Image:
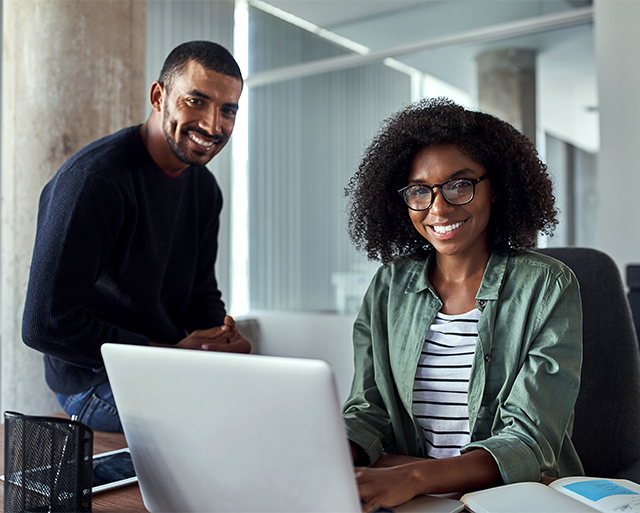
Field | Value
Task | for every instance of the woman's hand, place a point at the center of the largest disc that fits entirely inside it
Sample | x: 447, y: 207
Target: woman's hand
x: 392, y: 486
x: 387, y: 487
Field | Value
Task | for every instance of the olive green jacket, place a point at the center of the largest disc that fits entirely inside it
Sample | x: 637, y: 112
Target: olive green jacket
x: 524, y: 378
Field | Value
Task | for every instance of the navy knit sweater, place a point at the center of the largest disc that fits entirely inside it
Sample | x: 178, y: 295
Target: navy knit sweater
x: 123, y: 254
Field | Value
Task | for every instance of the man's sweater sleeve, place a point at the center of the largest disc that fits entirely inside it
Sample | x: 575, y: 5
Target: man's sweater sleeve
x: 79, y: 218
x: 206, y: 308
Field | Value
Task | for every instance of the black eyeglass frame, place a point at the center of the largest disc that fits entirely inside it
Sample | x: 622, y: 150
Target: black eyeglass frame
x: 473, y: 181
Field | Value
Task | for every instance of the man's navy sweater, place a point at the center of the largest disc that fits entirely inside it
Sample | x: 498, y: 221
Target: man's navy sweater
x: 123, y: 254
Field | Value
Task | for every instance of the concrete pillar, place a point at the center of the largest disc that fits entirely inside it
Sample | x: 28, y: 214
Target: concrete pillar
x: 73, y: 71
x: 507, y: 87
x: 617, y: 40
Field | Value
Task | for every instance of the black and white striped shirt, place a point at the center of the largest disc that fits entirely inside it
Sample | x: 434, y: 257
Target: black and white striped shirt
x: 442, y: 379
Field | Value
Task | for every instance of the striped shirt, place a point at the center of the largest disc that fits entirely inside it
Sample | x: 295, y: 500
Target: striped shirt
x: 442, y: 379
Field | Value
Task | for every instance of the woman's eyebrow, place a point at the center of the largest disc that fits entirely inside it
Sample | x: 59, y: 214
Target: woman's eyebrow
x: 462, y: 173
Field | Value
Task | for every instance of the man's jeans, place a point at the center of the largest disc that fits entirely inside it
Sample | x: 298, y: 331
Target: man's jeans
x: 95, y: 408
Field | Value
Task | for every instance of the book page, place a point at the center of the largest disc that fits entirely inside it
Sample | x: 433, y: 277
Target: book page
x: 522, y: 498
x: 606, y: 495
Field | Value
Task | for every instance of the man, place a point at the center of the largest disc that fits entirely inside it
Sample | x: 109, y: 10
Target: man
x: 127, y: 237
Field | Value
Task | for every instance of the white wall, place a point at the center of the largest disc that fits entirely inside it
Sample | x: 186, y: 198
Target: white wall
x: 617, y: 42
x: 306, y: 138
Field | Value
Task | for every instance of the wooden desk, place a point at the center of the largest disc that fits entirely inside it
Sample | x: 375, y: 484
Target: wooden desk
x: 126, y: 500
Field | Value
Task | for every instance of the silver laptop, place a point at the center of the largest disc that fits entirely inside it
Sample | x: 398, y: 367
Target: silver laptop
x: 232, y: 433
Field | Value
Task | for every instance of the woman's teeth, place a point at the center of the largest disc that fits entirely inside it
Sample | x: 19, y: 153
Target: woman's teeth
x: 448, y: 228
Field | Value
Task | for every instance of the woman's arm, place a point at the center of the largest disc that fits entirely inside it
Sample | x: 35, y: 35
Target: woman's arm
x: 388, y: 487
x: 528, y: 402
x: 366, y: 418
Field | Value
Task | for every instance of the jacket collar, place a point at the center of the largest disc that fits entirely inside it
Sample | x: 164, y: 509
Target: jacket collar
x: 491, y: 281
x: 493, y: 277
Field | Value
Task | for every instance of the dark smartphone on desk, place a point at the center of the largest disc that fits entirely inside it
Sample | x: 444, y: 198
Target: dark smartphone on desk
x: 112, y: 469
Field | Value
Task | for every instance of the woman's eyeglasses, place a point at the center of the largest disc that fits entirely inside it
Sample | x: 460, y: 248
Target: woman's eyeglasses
x: 457, y: 191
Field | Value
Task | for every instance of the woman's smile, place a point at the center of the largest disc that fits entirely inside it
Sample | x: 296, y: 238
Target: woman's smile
x: 442, y: 228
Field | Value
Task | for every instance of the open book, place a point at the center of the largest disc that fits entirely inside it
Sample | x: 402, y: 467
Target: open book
x: 566, y: 495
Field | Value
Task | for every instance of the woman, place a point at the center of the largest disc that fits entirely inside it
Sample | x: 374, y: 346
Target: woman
x: 467, y: 347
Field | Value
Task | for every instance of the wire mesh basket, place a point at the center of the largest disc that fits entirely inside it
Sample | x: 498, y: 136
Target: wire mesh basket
x: 48, y: 464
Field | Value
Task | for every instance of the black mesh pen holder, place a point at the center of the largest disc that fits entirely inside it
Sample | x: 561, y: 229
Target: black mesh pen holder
x: 48, y: 464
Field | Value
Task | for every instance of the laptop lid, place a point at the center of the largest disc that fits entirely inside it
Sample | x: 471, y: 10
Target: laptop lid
x: 226, y: 432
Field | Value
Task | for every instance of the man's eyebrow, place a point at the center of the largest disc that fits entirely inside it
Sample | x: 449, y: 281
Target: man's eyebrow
x: 199, y: 94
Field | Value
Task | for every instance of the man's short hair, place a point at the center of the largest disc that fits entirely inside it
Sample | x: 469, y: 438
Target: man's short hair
x: 208, y: 54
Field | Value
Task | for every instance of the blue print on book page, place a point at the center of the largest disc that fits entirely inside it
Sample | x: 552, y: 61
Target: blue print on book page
x: 598, y: 489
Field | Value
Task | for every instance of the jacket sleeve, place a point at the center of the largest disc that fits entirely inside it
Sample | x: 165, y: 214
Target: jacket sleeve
x: 366, y: 419
x: 531, y: 425
x: 78, y: 226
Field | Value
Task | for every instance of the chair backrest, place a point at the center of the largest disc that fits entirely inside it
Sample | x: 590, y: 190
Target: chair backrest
x: 606, y: 432
x: 633, y: 282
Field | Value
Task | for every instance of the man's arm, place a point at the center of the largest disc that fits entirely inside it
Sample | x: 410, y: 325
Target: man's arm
x: 78, y: 226
x: 225, y: 338
x: 205, y: 308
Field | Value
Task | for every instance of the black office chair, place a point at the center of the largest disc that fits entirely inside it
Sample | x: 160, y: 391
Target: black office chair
x: 633, y: 282
x: 606, y: 432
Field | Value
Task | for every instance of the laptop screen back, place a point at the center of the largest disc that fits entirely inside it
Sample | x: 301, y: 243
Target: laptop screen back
x: 224, y: 432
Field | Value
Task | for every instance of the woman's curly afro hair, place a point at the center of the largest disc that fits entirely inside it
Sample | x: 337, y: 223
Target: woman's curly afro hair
x: 524, y: 201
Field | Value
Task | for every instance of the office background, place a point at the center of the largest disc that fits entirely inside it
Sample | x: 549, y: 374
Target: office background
x: 283, y: 240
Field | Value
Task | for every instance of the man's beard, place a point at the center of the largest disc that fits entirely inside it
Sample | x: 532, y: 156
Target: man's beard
x: 178, y: 149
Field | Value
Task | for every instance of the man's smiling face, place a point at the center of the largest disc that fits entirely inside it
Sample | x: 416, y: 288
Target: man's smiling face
x: 198, y: 113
